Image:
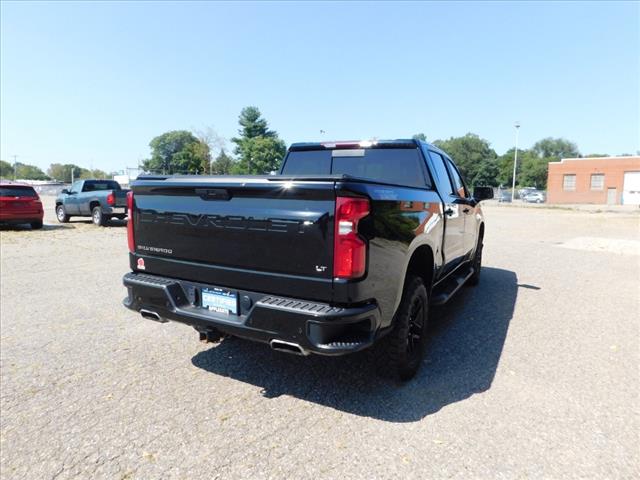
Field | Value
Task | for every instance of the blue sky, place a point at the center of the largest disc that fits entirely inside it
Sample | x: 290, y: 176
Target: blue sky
x: 92, y: 83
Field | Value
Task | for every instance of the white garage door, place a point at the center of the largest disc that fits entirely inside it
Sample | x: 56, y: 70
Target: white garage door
x: 631, y: 189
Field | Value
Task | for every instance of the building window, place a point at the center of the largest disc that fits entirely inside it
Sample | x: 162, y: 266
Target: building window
x: 597, y: 181
x: 569, y: 182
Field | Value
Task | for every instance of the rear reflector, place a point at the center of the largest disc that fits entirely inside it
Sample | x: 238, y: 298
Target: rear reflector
x: 350, y: 250
x: 130, y: 237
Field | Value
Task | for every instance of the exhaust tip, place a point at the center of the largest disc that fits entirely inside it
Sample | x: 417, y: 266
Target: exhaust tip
x: 149, y: 315
x: 288, y: 347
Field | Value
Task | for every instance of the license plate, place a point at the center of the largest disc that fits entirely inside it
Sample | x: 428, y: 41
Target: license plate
x: 220, y: 300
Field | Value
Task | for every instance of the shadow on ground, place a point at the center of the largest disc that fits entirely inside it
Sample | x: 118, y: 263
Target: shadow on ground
x: 467, y: 337
x: 114, y: 222
x: 26, y: 227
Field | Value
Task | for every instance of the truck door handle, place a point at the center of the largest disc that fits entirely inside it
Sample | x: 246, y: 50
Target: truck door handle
x: 466, y: 210
x: 448, y: 212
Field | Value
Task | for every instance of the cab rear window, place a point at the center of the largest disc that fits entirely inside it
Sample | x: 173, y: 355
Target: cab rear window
x: 95, y: 185
x: 398, y: 166
x: 17, y: 192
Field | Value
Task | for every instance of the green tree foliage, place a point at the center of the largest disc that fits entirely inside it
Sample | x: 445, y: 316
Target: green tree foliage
x: 23, y: 171
x: 260, y: 155
x: 177, y: 151
x: 420, y: 136
x: 505, y: 165
x: 533, y: 172
x: 29, y: 172
x: 62, y: 173
x: 223, y: 164
x: 555, y: 148
x: 6, y: 170
x: 474, y: 157
x: 95, y: 173
x: 253, y: 125
x: 259, y: 149
x: 533, y: 164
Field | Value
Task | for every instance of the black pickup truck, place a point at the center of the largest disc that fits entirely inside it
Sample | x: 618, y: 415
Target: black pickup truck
x: 347, y: 247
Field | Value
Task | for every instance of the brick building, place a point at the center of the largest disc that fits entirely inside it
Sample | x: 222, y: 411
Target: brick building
x: 600, y: 180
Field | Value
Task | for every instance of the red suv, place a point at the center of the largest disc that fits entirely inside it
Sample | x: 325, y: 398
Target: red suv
x: 20, y: 204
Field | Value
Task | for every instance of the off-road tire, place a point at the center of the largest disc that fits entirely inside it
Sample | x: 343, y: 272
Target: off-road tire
x: 399, y: 354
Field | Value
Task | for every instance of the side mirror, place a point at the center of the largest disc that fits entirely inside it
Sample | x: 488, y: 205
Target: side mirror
x: 65, y: 191
x: 482, y: 193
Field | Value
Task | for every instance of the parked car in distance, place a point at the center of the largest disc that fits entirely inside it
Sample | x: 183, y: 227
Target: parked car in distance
x: 524, y: 191
x: 534, y: 197
x: 20, y: 204
x: 99, y: 199
x: 346, y: 248
x: 504, y: 196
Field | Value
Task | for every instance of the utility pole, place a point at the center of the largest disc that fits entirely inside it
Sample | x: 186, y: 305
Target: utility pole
x: 72, y: 173
x: 15, y: 162
x: 515, y: 163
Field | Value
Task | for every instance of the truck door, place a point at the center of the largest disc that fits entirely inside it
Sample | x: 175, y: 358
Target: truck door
x: 467, y: 209
x: 84, y: 197
x: 453, y: 242
x: 71, y: 200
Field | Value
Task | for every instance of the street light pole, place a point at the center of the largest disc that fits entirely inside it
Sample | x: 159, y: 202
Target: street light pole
x: 515, y: 163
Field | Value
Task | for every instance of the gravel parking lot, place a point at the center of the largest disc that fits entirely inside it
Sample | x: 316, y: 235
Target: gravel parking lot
x: 534, y: 373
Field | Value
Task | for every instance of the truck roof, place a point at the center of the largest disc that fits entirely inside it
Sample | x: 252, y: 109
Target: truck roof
x: 330, y: 145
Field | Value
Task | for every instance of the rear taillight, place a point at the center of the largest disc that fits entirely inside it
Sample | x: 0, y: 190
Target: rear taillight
x: 350, y: 250
x: 111, y: 199
x: 130, y: 237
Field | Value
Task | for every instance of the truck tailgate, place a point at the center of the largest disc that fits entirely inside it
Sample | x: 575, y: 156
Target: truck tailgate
x: 248, y: 223
x: 120, y: 198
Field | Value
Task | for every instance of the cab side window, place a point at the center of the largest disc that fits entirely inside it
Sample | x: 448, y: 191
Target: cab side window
x: 441, y: 174
x: 75, y: 188
x: 458, y: 184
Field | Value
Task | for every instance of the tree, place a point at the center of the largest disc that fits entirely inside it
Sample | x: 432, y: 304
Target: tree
x: 177, y: 151
x: 474, y: 157
x: 95, y: 173
x: 260, y: 156
x: 253, y: 125
x: 6, y: 169
x: 62, y: 172
x: 505, y: 165
x: 534, y: 172
x: 216, y: 143
x: 555, y: 149
x: 222, y: 165
x: 420, y: 136
x: 533, y: 164
x: 259, y: 149
x: 29, y: 172
x: 486, y: 174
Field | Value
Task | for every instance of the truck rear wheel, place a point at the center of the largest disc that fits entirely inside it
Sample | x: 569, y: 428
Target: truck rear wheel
x: 97, y: 217
x: 400, y: 352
